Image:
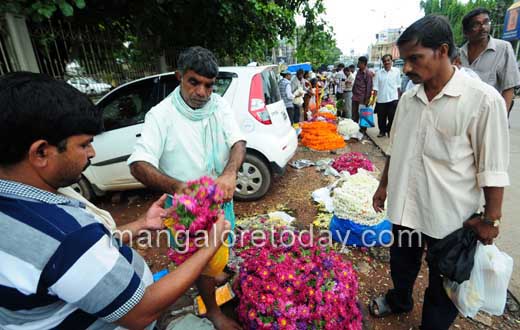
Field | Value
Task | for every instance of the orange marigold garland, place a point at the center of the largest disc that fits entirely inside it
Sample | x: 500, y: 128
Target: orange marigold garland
x: 326, y: 115
x: 321, y: 136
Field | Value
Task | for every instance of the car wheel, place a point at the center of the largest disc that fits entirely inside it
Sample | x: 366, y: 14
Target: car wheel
x: 84, y: 188
x: 253, y: 180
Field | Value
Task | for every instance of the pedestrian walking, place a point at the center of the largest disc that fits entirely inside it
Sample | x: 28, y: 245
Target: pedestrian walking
x: 387, y: 89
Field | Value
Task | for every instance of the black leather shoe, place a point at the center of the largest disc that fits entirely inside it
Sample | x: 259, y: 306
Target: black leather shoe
x: 381, y: 135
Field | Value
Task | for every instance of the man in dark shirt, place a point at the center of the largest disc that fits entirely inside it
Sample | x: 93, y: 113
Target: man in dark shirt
x: 362, y: 87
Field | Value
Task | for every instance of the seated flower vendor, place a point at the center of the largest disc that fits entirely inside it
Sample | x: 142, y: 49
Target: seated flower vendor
x: 60, y: 266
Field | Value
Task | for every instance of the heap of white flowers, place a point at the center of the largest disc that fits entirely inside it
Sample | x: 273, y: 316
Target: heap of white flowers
x: 348, y: 127
x: 352, y: 198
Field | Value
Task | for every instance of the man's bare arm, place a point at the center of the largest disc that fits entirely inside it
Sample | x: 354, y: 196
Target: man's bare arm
x: 152, y: 178
x: 378, y: 200
x: 508, y: 95
x: 159, y: 296
x: 236, y: 158
x: 227, y: 180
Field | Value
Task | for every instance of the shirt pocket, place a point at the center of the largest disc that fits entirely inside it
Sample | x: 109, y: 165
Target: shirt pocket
x: 446, y: 148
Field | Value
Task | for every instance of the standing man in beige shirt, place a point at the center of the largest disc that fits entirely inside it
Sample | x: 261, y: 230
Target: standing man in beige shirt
x: 449, y: 149
x: 492, y: 59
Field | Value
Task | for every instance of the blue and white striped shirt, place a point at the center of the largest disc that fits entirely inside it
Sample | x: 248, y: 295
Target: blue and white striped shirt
x: 59, y: 266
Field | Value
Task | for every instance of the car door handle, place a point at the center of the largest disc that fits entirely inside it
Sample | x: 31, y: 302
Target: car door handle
x: 138, y: 135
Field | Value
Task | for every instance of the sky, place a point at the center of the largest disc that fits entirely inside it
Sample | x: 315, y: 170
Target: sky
x: 356, y: 22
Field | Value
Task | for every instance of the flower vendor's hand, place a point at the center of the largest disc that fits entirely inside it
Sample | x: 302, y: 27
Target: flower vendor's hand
x: 183, y: 189
x: 227, y: 183
x: 486, y: 233
x: 219, y: 231
x: 378, y: 201
x: 154, y: 218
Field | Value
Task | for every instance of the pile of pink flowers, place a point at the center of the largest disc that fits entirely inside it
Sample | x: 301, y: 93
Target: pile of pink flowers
x: 194, y: 213
x: 302, y: 285
x: 351, y: 162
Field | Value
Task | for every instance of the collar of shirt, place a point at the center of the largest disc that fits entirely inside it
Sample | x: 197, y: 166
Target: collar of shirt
x: 491, y: 45
x: 19, y: 190
x: 452, y: 88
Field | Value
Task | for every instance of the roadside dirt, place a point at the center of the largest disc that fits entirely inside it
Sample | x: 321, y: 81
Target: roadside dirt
x: 292, y: 192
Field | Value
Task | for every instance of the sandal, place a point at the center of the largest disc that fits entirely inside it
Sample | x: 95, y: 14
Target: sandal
x: 379, y: 307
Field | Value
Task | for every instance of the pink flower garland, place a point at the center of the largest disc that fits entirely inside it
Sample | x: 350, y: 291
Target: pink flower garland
x: 351, y: 162
x: 194, y: 212
x: 295, y: 287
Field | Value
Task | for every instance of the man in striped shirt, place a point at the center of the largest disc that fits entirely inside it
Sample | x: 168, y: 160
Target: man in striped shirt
x: 60, y: 267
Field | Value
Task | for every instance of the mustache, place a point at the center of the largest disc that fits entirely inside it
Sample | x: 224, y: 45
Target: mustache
x: 87, y: 165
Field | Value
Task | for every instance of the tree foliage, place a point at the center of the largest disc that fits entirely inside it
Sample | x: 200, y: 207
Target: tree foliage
x: 454, y: 10
x: 237, y: 31
x: 41, y: 9
x: 317, y: 45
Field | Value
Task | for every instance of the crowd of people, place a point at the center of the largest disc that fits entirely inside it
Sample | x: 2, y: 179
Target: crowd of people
x: 481, y: 56
x: 449, y: 150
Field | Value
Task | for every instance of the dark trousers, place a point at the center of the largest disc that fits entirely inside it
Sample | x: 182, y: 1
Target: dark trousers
x: 296, y: 115
x: 385, y: 116
x: 290, y: 113
x: 355, y: 111
x: 438, y: 312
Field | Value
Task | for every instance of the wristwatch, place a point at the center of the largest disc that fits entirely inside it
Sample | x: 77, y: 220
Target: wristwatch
x: 489, y: 221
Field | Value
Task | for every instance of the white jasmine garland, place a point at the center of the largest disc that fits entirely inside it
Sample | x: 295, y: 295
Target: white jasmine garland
x: 352, y: 199
x: 348, y: 127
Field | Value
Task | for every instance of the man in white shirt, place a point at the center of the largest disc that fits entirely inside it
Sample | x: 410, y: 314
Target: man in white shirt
x: 190, y: 134
x: 349, y: 83
x: 387, y: 88
x: 449, y: 148
x: 339, y: 80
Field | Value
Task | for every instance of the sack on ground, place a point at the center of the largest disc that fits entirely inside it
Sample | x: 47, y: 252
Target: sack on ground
x: 351, y: 233
x: 366, y: 117
x: 486, y: 288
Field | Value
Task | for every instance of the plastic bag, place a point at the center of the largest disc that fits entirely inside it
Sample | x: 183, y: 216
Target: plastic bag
x: 487, y: 287
x: 217, y: 263
x: 366, y: 117
x: 454, y: 254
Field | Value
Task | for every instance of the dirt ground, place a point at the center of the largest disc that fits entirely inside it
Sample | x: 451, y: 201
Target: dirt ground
x: 292, y: 192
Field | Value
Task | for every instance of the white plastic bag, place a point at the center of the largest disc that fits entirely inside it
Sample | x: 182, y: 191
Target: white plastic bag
x: 486, y: 288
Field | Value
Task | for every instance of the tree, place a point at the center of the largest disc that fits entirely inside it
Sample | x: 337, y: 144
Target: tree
x: 317, y: 45
x: 455, y: 11
x: 41, y: 9
x: 236, y: 31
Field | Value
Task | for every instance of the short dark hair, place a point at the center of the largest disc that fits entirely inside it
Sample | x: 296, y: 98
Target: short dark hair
x: 35, y: 106
x: 466, y: 21
x: 200, y: 60
x: 352, y: 66
x: 430, y: 31
x: 385, y: 56
x: 341, y: 65
x: 363, y: 59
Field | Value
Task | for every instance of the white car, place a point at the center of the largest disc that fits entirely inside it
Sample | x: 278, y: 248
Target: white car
x: 89, y: 86
x: 253, y: 95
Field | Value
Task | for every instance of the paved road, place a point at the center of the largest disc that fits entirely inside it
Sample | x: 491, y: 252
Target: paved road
x: 509, y: 238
